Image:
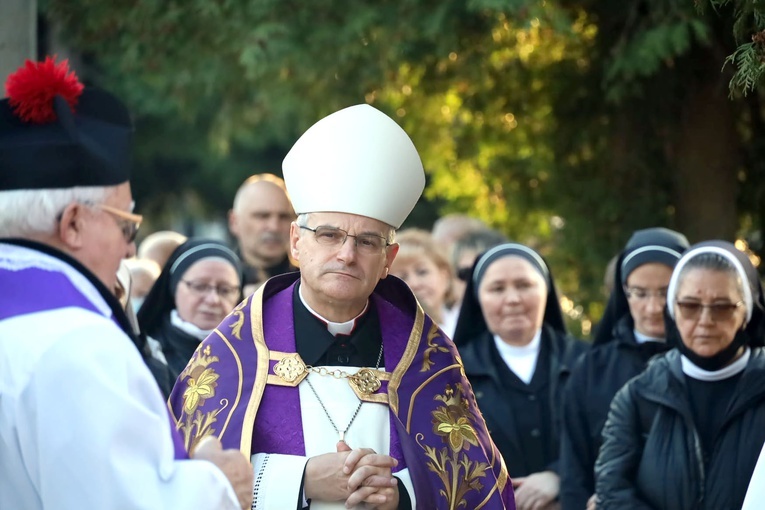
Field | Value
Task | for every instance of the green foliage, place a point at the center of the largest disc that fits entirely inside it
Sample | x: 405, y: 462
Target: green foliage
x: 503, y: 98
x: 749, y: 31
x: 650, y: 42
x: 749, y: 68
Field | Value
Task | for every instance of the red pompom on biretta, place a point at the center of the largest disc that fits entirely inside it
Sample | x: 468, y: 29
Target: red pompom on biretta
x: 32, y: 88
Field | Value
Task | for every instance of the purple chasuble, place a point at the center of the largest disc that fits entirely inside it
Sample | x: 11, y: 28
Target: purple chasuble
x: 230, y: 390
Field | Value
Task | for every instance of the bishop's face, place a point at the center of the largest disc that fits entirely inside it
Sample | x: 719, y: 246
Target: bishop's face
x: 338, y: 279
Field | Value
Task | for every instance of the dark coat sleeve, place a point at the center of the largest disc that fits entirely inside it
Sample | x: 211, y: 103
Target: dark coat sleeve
x: 619, y: 458
x: 577, y: 457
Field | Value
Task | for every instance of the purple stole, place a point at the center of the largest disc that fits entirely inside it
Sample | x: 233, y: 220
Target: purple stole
x: 229, y: 390
x: 29, y: 290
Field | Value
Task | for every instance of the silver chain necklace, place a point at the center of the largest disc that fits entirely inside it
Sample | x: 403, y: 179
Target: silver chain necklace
x: 358, y: 407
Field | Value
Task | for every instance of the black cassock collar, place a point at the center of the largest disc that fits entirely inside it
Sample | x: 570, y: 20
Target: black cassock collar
x: 318, y: 347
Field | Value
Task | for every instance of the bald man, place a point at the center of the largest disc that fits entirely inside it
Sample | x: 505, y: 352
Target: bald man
x: 159, y: 245
x: 260, y: 221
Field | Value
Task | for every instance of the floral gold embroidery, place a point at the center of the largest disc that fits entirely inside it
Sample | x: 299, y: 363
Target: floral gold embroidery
x: 433, y: 333
x: 201, y: 381
x: 453, y: 422
x: 199, y: 390
x: 457, y: 431
x: 236, y: 327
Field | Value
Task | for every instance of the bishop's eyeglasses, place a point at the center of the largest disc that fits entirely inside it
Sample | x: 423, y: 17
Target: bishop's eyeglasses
x: 331, y: 236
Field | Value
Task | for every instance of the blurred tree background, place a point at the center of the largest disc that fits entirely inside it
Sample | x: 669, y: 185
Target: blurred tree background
x: 565, y: 124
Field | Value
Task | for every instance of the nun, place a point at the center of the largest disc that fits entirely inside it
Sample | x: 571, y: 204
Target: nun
x: 198, y: 287
x: 686, y: 433
x: 630, y: 333
x: 516, y: 352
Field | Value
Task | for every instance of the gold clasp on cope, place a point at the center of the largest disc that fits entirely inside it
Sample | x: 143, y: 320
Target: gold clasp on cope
x: 290, y: 369
x: 365, y: 381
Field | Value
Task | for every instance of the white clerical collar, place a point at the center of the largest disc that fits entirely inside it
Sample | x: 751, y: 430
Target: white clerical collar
x: 734, y: 368
x: 335, y: 328
x: 521, y: 360
x: 516, y: 351
x: 641, y: 338
x: 188, y: 327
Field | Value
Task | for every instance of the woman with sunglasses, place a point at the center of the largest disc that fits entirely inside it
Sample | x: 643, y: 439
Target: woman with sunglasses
x: 198, y: 287
x: 686, y: 434
x: 516, y: 352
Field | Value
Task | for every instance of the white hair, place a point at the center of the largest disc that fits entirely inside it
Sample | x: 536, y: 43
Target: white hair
x: 34, y: 212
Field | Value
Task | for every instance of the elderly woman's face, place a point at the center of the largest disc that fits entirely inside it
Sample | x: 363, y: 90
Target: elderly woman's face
x: 207, y: 292
x: 708, y: 310
x: 512, y: 295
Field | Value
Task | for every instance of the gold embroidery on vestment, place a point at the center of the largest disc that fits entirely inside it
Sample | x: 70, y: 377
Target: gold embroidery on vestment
x: 419, y: 389
x: 201, y: 381
x: 434, y: 333
x: 236, y: 327
x: 261, y: 372
x: 412, y: 346
x: 290, y: 369
x: 454, y: 423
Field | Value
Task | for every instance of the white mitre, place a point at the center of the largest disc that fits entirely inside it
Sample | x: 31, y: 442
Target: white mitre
x: 358, y: 161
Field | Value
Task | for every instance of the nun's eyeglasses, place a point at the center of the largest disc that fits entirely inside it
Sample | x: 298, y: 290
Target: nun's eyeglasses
x: 226, y: 292
x: 691, y: 310
x: 641, y: 294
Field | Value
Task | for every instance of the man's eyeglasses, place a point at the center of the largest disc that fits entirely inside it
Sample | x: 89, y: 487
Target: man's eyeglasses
x: 641, y: 294
x: 365, y: 243
x: 691, y: 310
x: 128, y: 222
x: 225, y: 292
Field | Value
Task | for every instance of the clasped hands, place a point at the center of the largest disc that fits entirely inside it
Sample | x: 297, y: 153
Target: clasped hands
x: 354, y: 475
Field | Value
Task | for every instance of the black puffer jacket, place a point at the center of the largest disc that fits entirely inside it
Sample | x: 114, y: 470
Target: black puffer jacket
x: 594, y: 380
x: 651, y: 457
x: 528, y: 443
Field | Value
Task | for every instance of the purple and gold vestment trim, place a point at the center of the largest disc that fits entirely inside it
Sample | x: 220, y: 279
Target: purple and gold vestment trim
x: 230, y: 390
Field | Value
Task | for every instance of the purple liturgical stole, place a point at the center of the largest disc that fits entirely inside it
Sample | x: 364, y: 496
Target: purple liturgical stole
x: 34, y: 289
x: 231, y: 390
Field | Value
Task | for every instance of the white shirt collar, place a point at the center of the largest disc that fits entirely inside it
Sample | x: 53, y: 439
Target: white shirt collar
x: 522, y: 360
x: 335, y: 328
x: 734, y: 368
x: 188, y: 327
x: 641, y: 338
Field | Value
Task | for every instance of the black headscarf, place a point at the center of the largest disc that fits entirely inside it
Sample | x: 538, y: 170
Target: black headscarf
x: 161, y: 299
x: 471, y: 323
x: 752, y: 334
x: 646, y: 246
